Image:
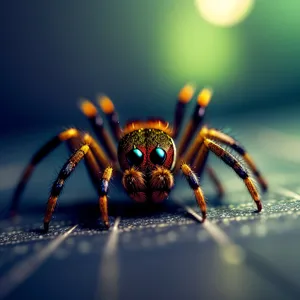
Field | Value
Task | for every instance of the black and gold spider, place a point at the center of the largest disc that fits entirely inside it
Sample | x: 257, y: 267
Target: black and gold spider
x: 146, y: 156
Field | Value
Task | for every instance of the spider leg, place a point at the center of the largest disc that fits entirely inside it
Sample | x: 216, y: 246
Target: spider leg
x: 58, y: 185
x: 90, y: 111
x: 106, y: 177
x: 184, y: 96
x: 90, y: 161
x: 47, y: 149
x: 109, y: 109
x: 197, y: 160
x: 203, y: 100
x: 96, y: 150
x: 232, y: 162
x: 233, y: 144
x: 134, y: 184
x: 66, y: 171
x: 193, y: 181
x: 161, y: 183
x: 200, y: 160
x: 214, y: 178
x: 229, y: 141
x: 199, y: 163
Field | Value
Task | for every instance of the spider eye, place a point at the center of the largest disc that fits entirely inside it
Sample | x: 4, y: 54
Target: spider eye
x: 135, y: 157
x: 158, y: 156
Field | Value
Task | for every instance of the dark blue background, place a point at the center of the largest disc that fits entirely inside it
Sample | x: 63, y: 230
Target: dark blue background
x: 54, y: 52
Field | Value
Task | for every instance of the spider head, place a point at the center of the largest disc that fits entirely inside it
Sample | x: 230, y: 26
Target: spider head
x: 146, y: 149
x: 147, y: 157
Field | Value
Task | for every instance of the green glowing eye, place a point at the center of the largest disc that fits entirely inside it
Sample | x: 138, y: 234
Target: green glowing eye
x: 135, y: 157
x: 158, y: 156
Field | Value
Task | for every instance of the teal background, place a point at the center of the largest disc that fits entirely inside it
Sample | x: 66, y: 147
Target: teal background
x: 140, y: 53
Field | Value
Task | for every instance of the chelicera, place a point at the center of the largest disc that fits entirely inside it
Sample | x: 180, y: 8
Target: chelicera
x: 146, y: 156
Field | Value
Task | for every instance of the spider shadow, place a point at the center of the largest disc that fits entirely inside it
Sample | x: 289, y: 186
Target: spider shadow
x: 216, y: 200
x: 89, y: 215
x: 130, y: 210
x: 85, y: 212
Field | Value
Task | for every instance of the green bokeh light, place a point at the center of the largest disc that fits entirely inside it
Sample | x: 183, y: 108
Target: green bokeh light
x: 224, y: 12
x: 190, y: 49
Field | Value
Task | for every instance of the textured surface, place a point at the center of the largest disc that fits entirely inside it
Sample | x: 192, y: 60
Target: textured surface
x: 155, y: 253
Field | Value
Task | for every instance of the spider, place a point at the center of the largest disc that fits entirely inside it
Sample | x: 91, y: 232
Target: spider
x: 146, y: 155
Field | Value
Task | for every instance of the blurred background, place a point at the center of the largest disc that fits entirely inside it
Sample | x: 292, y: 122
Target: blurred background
x: 143, y: 52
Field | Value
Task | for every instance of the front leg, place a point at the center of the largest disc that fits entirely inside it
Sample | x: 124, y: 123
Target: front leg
x: 59, y: 183
x: 103, y: 190
x: 84, y: 151
x: 193, y: 181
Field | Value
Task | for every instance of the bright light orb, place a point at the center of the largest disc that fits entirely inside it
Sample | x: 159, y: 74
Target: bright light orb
x: 224, y: 13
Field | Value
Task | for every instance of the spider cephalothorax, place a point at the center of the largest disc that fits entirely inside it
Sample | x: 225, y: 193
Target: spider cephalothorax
x: 146, y: 155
